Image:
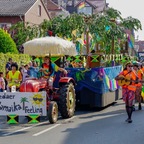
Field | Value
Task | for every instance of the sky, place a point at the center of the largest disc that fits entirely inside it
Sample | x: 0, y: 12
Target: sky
x: 133, y: 8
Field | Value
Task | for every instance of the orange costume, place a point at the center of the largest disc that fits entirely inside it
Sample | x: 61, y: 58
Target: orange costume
x: 128, y: 91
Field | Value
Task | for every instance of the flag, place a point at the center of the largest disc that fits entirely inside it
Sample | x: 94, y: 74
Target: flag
x: 81, y: 5
x: 131, y: 41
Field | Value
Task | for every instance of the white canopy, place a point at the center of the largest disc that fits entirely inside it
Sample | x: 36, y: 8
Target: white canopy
x: 49, y: 45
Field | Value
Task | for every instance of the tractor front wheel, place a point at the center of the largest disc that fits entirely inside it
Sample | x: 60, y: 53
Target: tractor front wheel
x: 67, y: 100
x: 53, y: 112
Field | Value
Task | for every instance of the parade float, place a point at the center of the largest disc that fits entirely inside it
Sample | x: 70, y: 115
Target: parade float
x: 102, y: 42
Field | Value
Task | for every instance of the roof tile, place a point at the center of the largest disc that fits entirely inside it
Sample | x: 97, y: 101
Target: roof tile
x: 15, y: 7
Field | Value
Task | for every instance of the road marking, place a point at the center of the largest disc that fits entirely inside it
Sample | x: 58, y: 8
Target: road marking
x: 70, y: 118
x: 23, y: 129
x: 10, y: 133
x: 48, y: 129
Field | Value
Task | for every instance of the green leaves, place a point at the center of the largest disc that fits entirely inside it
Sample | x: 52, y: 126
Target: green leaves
x: 6, y: 43
x: 131, y: 23
x: 24, y: 32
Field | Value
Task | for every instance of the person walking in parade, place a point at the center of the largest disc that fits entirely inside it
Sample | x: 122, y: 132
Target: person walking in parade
x: 128, y: 91
x: 137, y: 72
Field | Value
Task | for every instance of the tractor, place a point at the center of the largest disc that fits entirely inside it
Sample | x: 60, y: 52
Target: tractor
x: 59, y: 99
x: 62, y: 98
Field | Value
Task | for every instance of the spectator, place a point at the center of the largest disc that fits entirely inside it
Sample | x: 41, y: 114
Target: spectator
x: 25, y: 72
x: 14, y: 77
x: 8, y: 65
x: 33, y: 70
x: 2, y: 82
x: 30, y: 64
x: 21, y: 69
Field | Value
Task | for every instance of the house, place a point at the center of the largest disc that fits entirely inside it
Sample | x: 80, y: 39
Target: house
x: 139, y: 46
x: 54, y: 9
x: 86, y: 6
x: 13, y: 11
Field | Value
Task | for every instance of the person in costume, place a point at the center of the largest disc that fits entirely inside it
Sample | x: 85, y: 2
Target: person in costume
x: 128, y: 91
x: 48, y: 70
x: 138, y: 74
x: 141, y: 71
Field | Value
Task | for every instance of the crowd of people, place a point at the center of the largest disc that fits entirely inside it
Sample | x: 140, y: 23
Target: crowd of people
x: 15, y: 75
x: 133, y: 73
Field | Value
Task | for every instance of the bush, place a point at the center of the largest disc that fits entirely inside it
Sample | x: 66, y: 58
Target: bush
x: 6, y: 43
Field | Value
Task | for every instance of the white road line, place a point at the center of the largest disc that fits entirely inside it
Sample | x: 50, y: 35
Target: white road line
x: 16, y: 131
x: 48, y: 129
x: 23, y: 129
x: 70, y: 118
x: 10, y: 133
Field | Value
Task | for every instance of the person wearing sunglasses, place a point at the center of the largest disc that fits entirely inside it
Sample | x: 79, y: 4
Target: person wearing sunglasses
x: 128, y: 91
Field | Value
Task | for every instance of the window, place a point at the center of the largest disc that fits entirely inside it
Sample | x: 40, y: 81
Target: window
x: 39, y: 10
x: 5, y: 25
x: 86, y: 10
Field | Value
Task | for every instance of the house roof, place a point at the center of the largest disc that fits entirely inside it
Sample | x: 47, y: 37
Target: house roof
x: 140, y: 44
x: 15, y: 7
x: 51, y: 6
x: 86, y: 1
x: 98, y: 4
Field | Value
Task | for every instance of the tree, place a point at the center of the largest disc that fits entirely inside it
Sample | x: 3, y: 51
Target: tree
x: 23, y: 100
x: 22, y: 32
x: 6, y: 43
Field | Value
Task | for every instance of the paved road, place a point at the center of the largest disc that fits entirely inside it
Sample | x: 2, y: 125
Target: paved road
x: 107, y: 126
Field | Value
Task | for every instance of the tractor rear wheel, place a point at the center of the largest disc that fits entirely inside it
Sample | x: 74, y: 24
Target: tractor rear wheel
x: 67, y: 100
x: 53, y: 112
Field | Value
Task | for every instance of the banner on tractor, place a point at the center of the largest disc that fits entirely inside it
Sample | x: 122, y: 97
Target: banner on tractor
x: 23, y: 103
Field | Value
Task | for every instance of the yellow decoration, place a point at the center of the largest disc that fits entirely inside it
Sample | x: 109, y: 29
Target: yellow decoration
x: 74, y: 32
x: 107, y: 81
x: 90, y: 36
x: 80, y: 41
x: 82, y: 36
x: 142, y: 94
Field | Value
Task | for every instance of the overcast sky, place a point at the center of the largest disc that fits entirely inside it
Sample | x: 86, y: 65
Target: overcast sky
x: 134, y: 8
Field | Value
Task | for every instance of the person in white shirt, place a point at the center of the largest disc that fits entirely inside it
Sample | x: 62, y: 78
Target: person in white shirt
x: 25, y: 72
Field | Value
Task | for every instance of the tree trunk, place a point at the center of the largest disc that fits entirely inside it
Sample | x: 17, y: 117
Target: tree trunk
x: 113, y: 46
